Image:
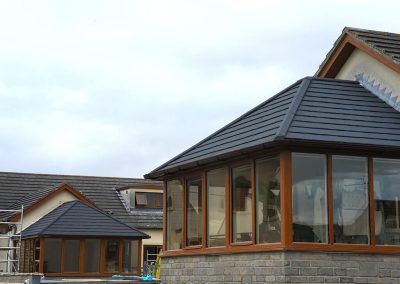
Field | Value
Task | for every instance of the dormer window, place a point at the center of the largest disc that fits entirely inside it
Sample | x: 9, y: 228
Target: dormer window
x: 140, y: 198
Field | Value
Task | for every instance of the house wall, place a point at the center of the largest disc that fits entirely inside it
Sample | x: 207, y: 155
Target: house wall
x: 45, y: 208
x: 155, y: 240
x: 361, y: 63
x: 282, y: 267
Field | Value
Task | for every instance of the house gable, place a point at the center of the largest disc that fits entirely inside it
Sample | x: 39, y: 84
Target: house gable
x: 43, y: 201
x: 369, y: 57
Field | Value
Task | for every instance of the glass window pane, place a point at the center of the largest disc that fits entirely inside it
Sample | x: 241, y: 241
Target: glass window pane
x: 174, y: 214
x: 71, y: 255
x: 216, y: 208
x: 111, y: 264
x: 52, y: 256
x: 241, y: 204
x: 92, y: 255
x: 387, y: 205
x: 350, y: 199
x: 159, y: 200
x: 151, y: 200
x: 268, y: 201
x: 130, y: 256
x: 193, y: 212
x: 141, y: 199
x: 309, y: 198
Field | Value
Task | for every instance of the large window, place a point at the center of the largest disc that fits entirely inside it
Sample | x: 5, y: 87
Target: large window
x: 92, y: 255
x: 309, y: 197
x: 241, y: 204
x: 130, y: 259
x: 148, y: 200
x: 350, y: 199
x: 193, y: 212
x: 387, y: 201
x: 327, y: 205
x: 52, y: 256
x: 174, y: 214
x: 112, y: 251
x: 216, y: 208
x: 71, y: 255
x: 267, y: 200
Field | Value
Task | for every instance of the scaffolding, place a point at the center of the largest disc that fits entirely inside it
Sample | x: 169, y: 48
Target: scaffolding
x: 10, y: 252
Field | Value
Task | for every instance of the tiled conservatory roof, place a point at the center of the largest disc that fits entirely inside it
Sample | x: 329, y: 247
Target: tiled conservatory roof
x: 312, y: 109
x: 76, y: 218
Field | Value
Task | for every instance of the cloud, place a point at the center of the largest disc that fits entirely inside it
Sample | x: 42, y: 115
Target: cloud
x: 116, y: 88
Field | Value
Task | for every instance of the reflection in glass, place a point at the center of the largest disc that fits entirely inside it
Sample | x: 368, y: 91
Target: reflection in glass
x: 111, y: 256
x: 71, y: 255
x: 310, y: 215
x: 174, y: 214
x: 387, y: 204
x: 92, y: 255
x: 216, y: 208
x: 350, y: 199
x: 267, y: 205
x: 52, y: 256
x: 193, y: 212
x: 130, y: 256
x: 241, y: 204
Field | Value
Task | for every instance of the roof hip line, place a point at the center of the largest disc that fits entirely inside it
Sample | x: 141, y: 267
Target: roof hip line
x: 287, y: 120
x: 55, y: 219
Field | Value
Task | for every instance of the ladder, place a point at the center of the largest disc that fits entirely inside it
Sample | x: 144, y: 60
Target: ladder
x: 10, y: 250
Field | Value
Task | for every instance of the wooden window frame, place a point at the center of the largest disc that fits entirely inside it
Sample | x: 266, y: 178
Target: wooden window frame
x: 285, y: 207
x: 82, y: 252
x: 158, y: 205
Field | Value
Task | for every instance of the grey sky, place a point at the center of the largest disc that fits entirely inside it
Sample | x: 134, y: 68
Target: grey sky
x: 116, y: 88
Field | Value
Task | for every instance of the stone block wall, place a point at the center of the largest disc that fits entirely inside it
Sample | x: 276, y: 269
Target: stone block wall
x: 282, y: 267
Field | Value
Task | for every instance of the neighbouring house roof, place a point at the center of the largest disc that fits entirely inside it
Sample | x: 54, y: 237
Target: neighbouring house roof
x: 311, y: 110
x: 34, y: 198
x: 76, y: 218
x: 383, y: 46
x: 102, y: 191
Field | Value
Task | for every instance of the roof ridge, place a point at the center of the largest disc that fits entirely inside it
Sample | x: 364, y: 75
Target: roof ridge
x: 72, y: 176
x: 298, y: 98
x: 224, y: 127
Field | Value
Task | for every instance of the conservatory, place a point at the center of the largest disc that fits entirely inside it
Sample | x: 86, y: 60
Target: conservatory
x: 295, y: 187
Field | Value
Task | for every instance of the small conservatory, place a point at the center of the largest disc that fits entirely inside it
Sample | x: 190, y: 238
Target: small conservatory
x: 303, y: 188
x: 76, y: 239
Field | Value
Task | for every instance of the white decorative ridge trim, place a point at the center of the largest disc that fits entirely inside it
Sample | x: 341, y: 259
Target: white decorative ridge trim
x: 378, y: 90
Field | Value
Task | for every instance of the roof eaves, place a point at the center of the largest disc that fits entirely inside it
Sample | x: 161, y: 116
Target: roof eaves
x: 287, y: 121
x: 336, y: 44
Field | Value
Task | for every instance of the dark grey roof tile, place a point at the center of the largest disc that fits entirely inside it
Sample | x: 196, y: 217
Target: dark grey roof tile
x: 312, y: 109
x: 76, y: 218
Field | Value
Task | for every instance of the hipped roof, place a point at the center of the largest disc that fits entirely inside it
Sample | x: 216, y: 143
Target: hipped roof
x: 76, y: 218
x: 311, y: 110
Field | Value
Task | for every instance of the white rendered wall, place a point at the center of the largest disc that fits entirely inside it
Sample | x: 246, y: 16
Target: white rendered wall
x: 361, y: 63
